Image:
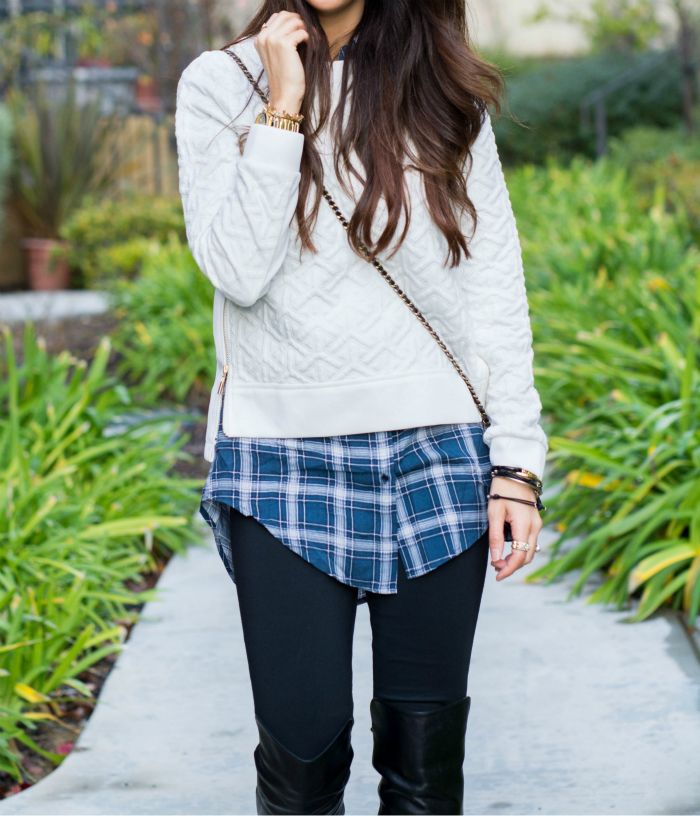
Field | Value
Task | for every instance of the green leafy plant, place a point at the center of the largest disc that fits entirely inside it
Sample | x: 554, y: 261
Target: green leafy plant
x: 111, y: 238
x: 585, y: 226
x: 632, y: 445
x: 667, y: 158
x: 34, y: 36
x: 166, y: 342
x: 87, y: 504
x: 60, y: 156
x: 614, y: 289
x: 5, y: 158
x: 623, y: 25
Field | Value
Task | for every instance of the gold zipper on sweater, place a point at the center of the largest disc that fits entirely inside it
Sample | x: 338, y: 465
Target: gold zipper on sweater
x: 225, y: 373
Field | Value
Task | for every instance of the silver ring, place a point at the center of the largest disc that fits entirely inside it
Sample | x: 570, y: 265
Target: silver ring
x: 264, y: 25
x: 523, y: 546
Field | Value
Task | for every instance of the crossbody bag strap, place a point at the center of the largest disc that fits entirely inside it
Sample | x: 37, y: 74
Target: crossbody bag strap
x: 379, y: 267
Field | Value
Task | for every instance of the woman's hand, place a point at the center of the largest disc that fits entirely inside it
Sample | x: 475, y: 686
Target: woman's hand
x: 525, y: 524
x: 277, y: 46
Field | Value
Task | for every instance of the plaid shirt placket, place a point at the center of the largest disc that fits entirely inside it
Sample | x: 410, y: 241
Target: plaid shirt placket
x: 349, y: 504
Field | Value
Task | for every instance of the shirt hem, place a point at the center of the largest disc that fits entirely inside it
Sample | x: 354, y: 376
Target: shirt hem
x: 471, y: 537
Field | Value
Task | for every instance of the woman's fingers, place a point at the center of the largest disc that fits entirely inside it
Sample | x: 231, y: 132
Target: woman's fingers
x: 299, y: 36
x: 535, y: 527
x: 277, y: 45
x: 281, y: 23
x: 512, y: 562
x: 525, y: 525
x: 520, y: 528
x: 520, y: 523
x: 279, y: 28
x: 524, y: 520
x: 497, y: 519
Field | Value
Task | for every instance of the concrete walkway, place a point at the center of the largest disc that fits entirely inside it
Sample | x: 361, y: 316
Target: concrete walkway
x: 573, y: 711
x: 52, y: 306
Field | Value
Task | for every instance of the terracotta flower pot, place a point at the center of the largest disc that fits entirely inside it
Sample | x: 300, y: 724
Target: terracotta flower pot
x: 45, y: 271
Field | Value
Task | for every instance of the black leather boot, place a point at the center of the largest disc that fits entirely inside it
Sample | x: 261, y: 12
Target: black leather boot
x: 420, y: 756
x: 288, y: 784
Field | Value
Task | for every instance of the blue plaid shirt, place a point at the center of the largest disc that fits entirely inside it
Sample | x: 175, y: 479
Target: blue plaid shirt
x: 350, y: 505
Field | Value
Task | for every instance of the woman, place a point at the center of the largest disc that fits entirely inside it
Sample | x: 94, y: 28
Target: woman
x: 352, y: 456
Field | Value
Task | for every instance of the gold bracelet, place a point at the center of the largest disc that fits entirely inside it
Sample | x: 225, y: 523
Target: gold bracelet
x: 279, y: 119
x: 527, y: 474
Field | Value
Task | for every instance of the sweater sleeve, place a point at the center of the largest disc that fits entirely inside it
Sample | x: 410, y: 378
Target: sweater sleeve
x: 498, y: 314
x: 237, y: 208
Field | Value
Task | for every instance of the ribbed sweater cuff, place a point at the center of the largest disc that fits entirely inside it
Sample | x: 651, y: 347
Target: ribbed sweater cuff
x: 276, y: 148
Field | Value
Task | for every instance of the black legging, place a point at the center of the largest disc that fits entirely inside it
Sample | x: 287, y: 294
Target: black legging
x: 298, y: 627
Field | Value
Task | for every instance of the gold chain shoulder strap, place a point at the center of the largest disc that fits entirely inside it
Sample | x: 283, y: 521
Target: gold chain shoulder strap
x: 378, y: 266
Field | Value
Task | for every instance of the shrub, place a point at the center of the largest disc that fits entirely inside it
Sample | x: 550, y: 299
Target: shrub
x: 166, y: 340
x: 666, y: 158
x: 60, y: 156
x: 630, y: 412
x: 640, y: 147
x: 615, y: 301
x: 111, y: 238
x: 86, y: 504
x: 586, y: 220
x: 545, y: 96
x: 5, y: 158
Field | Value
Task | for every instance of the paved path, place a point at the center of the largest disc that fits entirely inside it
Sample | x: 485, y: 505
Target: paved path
x: 52, y: 305
x: 573, y: 712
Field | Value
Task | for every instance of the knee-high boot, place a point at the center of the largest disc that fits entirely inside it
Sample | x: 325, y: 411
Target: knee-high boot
x: 290, y: 785
x: 420, y: 756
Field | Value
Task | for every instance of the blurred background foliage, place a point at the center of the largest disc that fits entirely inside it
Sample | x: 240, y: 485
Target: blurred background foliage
x: 160, y: 38
x: 59, y: 156
x: 542, y: 117
x: 5, y: 159
x: 110, y: 238
x: 611, y: 25
x: 167, y: 345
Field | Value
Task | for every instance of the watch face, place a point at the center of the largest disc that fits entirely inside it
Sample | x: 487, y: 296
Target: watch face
x: 261, y: 118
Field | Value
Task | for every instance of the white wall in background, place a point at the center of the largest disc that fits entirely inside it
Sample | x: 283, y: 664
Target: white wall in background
x: 505, y: 25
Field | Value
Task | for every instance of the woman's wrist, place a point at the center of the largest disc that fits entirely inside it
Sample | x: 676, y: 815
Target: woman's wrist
x: 509, y: 487
x: 290, y: 104
x: 282, y: 119
x: 503, y: 489
x: 518, y: 475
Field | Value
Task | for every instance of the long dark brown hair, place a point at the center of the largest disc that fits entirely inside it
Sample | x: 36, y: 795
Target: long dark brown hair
x: 419, y: 96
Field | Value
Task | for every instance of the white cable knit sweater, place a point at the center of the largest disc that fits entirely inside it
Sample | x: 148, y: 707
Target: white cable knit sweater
x: 319, y: 344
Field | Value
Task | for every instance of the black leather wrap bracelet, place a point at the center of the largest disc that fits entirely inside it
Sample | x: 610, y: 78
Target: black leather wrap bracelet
x: 517, y: 475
